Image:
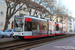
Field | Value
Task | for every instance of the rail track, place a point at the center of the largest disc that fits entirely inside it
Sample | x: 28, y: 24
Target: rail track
x: 30, y: 43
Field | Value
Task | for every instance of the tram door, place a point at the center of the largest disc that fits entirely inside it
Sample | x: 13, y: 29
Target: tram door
x: 40, y: 28
x: 35, y: 27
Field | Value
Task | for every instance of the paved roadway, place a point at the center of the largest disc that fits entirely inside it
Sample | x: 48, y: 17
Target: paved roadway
x: 5, y: 39
x: 63, y: 44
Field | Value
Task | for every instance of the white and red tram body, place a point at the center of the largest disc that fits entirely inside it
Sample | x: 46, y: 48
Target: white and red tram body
x: 58, y: 28
x: 31, y: 27
x: 51, y: 27
x: 64, y: 29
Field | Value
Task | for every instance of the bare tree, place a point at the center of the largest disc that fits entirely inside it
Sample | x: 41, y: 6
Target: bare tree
x: 33, y: 5
x: 12, y: 9
x: 55, y: 7
x: 38, y: 7
x: 44, y: 11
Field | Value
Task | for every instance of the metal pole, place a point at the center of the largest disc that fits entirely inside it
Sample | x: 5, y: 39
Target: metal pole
x: 62, y: 25
x: 47, y: 27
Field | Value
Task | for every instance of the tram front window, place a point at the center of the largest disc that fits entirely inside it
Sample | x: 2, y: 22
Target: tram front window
x: 18, y: 25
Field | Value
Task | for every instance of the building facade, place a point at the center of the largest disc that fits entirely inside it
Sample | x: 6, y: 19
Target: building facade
x: 70, y: 25
x: 74, y: 24
x: 2, y: 14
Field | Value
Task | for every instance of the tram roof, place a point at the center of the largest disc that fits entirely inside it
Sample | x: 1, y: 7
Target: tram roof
x: 35, y: 17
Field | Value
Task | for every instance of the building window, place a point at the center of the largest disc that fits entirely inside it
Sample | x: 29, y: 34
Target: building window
x: 1, y: 24
x: 70, y: 23
x: 2, y: 2
x: 17, y: 7
x: 70, y: 27
x: 2, y: 13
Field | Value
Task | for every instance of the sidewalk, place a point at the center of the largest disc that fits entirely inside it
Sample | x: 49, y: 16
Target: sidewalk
x: 63, y: 44
x: 70, y: 32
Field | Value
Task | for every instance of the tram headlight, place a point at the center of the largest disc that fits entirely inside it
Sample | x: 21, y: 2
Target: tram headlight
x: 21, y: 33
x: 13, y: 33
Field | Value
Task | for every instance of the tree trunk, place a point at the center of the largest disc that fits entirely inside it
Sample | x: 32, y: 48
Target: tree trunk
x: 30, y: 12
x: 34, y: 13
x: 6, y: 23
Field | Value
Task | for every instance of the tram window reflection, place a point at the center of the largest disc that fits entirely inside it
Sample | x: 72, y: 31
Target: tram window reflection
x: 28, y: 26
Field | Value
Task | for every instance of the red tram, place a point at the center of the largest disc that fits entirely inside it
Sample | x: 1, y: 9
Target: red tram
x: 28, y: 27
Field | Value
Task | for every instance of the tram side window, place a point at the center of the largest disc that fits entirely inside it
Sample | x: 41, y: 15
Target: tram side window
x: 34, y: 26
x: 28, y: 26
x: 44, y: 26
x: 57, y: 28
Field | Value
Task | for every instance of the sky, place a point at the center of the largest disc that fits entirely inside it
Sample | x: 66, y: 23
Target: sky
x: 71, y: 5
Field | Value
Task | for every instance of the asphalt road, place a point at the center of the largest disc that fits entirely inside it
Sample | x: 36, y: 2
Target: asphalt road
x: 63, y: 44
x: 5, y: 39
